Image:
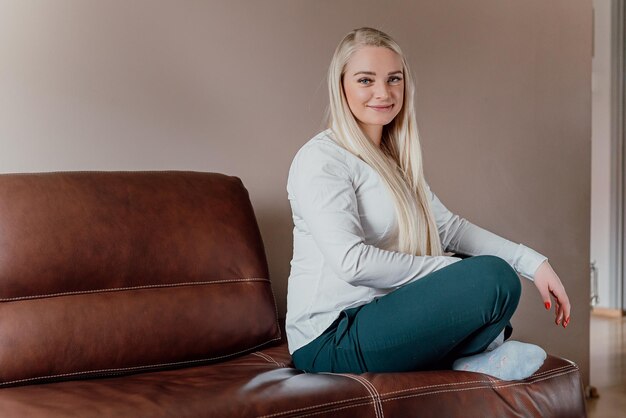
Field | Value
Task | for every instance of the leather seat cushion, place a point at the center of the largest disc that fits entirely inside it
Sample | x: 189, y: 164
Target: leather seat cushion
x: 265, y: 384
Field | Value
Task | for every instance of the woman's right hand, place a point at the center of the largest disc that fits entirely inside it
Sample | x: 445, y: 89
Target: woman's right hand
x: 549, y: 284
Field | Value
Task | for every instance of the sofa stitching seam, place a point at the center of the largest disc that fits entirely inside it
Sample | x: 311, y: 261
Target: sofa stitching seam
x: 280, y: 363
x: 268, y: 358
x: 258, y: 354
x: 370, y: 389
x: 478, y: 388
x: 378, y: 404
x: 123, y: 369
x: 149, y: 286
x: 474, y: 381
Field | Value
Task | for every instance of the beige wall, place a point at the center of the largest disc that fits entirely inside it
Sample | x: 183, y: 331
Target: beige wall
x: 238, y: 86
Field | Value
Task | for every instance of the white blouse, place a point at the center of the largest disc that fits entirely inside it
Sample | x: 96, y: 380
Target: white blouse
x: 345, y: 239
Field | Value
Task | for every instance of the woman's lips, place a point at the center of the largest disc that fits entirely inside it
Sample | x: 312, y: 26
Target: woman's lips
x: 381, y: 108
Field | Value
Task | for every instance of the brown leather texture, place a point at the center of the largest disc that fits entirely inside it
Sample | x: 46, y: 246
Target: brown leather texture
x: 84, y: 231
x: 116, y: 272
x: 264, y: 384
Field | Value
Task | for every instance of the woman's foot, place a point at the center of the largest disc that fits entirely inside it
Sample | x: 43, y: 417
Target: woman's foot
x: 513, y: 360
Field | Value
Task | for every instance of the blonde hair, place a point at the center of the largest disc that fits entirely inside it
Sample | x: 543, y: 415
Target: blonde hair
x: 398, y: 161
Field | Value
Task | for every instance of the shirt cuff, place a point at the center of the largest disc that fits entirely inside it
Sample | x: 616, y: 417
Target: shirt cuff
x: 529, y: 261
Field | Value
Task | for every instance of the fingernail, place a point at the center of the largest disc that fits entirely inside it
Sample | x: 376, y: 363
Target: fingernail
x: 547, y: 305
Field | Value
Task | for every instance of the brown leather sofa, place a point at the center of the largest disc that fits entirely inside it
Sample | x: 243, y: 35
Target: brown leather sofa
x: 147, y: 294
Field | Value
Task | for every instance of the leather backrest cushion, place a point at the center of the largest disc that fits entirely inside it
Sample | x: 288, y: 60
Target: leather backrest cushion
x: 113, y: 272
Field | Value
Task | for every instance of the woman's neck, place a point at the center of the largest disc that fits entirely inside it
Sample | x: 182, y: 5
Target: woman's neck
x: 373, y: 132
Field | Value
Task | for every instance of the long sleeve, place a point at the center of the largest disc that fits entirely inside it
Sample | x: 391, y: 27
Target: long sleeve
x: 324, y: 197
x: 459, y: 235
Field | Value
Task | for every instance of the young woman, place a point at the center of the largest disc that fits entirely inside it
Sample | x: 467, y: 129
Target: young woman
x: 371, y: 288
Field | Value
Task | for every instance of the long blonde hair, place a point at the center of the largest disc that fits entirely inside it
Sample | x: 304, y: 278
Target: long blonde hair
x: 398, y: 161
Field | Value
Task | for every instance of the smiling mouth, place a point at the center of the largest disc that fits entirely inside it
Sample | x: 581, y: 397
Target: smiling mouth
x: 381, y: 108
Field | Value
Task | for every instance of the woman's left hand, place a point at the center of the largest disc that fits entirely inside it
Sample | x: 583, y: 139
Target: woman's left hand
x: 549, y: 284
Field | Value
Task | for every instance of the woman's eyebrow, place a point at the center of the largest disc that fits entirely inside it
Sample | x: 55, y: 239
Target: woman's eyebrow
x: 373, y: 73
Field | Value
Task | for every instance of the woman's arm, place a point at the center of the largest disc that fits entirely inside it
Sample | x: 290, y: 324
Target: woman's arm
x: 459, y: 235
x: 323, y: 196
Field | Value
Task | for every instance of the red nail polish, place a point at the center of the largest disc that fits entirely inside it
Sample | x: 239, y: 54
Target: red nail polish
x: 547, y: 305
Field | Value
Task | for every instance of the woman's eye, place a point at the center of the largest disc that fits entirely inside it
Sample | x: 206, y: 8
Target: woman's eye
x: 395, y: 79
x: 362, y: 80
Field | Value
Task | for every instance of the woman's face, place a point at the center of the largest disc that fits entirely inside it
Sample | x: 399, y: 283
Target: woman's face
x: 374, y: 86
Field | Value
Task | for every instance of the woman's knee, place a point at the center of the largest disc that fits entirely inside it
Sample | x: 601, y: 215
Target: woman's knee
x: 499, y: 274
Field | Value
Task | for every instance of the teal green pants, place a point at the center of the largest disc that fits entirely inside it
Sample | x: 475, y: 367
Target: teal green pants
x: 453, y: 312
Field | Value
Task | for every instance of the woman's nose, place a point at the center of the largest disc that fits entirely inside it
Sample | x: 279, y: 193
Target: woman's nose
x: 382, y: 91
